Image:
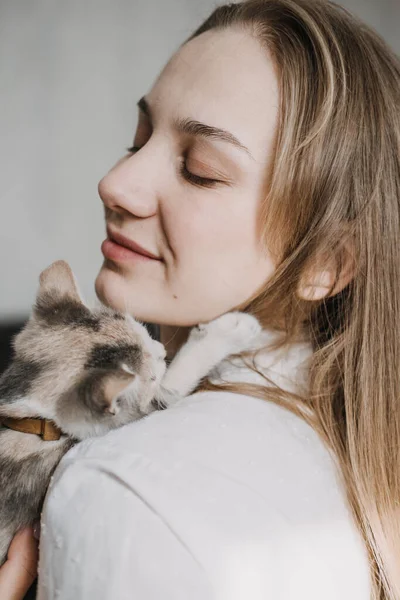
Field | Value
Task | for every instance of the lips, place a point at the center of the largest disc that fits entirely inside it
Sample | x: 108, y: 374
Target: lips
x: 129, y: 244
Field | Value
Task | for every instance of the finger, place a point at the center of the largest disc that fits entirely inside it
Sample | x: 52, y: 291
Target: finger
x: 24, y: 551
x: 20, y: 570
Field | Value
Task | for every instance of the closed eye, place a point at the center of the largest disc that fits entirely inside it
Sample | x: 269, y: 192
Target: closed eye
x: 186, y: 174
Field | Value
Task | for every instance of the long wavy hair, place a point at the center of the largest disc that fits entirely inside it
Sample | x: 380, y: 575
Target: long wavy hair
x: 336, y: 171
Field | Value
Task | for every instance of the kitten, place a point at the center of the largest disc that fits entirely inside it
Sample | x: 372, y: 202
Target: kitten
x: 87, y: 372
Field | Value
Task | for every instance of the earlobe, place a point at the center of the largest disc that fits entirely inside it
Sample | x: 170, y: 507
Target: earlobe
x: 317, y: 287
x: 319, y: 283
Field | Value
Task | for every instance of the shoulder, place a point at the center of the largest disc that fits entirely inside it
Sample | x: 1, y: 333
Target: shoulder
x: 247, y: 486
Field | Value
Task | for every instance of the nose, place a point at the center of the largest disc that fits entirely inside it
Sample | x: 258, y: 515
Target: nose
x: 129, y: 188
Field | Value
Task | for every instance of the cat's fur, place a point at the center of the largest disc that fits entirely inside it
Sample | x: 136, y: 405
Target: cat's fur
x: 89, y: 371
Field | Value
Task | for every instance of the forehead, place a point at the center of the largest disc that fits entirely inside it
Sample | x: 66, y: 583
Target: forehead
x: 222, y: 78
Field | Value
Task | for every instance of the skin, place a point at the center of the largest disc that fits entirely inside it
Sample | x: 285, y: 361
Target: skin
x: 20, y: 570
x: 207, y: 237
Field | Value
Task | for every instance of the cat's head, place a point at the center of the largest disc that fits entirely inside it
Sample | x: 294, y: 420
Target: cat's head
x: 88, y: 370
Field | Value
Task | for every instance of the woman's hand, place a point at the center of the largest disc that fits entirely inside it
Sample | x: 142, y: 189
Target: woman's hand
x: 20, y: 569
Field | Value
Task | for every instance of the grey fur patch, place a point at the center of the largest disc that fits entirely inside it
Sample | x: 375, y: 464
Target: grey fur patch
x: 110, y: 357
x: 17, y: 379
x: 23, y: 485
x: 64, y: 312
x: 158, y: 404
x: 118, y: 316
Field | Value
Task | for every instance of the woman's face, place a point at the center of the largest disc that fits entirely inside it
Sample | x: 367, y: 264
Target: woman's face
x: 190, y: 195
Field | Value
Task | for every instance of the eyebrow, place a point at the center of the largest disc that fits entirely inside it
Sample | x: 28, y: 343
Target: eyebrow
x: 191, y: 127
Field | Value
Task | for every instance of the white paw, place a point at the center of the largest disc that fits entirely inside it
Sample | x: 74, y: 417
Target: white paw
x: 198, y: 332
x: 239, y: 330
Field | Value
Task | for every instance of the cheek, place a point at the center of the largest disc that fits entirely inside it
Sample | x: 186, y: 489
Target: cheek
x: 220, y: 237
x: 221, y: 263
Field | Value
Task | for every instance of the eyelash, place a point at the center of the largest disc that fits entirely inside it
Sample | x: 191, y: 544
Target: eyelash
x: 191, y: 177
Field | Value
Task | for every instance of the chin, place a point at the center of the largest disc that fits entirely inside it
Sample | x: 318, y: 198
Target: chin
x: 146, y: 300
x: 135, y: 297
x: 113, y: 290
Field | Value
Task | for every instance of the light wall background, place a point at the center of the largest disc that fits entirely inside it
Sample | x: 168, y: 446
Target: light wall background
x: 71, y: 72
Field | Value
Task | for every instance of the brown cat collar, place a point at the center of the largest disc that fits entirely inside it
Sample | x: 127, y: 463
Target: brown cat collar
x: 48, y: 431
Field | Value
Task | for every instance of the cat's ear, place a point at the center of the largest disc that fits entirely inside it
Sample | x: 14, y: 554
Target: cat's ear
x: 59, y: 281
x: 112, y: 387
x: 102, y: 395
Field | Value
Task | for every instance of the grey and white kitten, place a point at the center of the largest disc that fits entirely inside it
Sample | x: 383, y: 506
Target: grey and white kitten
x: 90, y: 371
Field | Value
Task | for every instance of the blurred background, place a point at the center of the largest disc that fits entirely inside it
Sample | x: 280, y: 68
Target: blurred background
x: 70, y: 75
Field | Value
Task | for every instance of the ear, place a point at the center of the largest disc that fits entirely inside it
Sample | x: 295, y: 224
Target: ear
x: 113, y: 385
x: 318, y: 282
x: 99, y: 390
x: 59, y: 280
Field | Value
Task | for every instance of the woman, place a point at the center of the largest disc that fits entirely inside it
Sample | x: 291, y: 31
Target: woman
x: 265, y: 176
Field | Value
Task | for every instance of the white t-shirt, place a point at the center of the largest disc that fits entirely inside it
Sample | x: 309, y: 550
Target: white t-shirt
x: 221, y: 497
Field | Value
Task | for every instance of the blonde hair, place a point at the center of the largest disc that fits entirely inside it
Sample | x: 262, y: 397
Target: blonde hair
x: 337, y: 169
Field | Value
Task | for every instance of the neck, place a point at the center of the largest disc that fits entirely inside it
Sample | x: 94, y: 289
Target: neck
x: 173, y: 337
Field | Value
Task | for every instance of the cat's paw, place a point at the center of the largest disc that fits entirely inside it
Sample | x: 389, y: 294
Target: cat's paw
x: 237, y: 329
x: 198, y: 332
